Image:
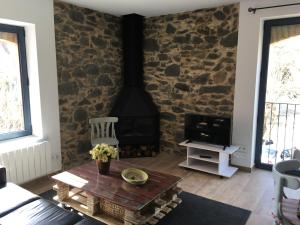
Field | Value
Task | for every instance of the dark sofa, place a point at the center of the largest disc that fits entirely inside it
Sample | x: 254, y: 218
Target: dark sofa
x: 21, y: 207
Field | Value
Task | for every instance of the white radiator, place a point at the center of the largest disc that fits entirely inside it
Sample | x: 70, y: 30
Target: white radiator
x: 28, y: 163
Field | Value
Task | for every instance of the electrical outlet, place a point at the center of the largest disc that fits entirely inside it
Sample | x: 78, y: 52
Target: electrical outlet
x: 243, y: 148
x: 241, y: 153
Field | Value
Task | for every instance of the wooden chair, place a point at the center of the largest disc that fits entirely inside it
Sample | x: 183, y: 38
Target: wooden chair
x: 103, y: 131
x: 285, y: 208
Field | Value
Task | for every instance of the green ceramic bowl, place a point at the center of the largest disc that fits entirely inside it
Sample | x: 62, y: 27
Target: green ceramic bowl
x: 134, y: 176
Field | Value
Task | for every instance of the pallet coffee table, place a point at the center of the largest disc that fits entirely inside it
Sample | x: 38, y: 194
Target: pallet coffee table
x: 112, y: 200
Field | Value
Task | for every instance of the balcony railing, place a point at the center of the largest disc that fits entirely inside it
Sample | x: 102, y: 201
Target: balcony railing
x: 281, y: 134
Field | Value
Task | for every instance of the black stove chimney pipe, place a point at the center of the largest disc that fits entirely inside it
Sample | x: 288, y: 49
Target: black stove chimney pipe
x: 132, y: 35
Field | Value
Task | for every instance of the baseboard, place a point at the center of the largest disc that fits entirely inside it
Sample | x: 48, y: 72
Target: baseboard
x: 244, y: 168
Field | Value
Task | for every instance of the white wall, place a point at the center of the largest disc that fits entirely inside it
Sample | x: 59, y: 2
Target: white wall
x: 248, y: 72
x: 38, y: 19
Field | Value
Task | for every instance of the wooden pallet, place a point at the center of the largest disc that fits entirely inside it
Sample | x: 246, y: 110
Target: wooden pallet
x: 110, y: 197
x: 114, y: 214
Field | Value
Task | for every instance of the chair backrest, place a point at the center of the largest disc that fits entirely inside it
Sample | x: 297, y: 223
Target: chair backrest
x: 283, y: 180
x: 296, y: 155
x: 103, y: 127
x: 282, y: 167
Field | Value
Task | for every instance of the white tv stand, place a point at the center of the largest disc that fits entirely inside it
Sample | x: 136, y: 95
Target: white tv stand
x: 217, y: 163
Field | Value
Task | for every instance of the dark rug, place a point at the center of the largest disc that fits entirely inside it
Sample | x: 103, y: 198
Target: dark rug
x: 196, y: 210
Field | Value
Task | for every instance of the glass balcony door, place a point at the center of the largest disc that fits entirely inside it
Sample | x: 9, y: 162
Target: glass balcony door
x: 278, y: 127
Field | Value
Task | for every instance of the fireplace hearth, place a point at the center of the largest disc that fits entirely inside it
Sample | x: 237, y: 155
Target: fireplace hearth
x: 138, y: 126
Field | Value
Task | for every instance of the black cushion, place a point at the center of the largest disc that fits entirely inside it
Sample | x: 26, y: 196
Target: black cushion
x: 88, y: 221
x: 12, y: 197
x: 40, y: 212
x: 293, y: 172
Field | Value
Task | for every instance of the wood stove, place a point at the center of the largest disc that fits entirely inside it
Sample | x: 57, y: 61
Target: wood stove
x: 138, y: 116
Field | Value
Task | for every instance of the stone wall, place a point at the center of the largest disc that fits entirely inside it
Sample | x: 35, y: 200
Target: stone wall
x: 89, y: 56
x: 190, y: 66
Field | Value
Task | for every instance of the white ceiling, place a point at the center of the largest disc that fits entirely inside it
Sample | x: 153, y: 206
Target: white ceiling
x: 147, y: 7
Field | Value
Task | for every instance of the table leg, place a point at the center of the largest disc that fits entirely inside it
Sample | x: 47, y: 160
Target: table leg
x: 62, y: 191
x: 133, y: 218
x: 93, y: 204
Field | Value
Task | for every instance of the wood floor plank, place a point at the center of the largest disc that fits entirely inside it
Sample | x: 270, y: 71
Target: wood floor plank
x: 253, y: 191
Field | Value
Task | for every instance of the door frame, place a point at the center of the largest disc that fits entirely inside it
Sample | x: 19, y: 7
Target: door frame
x: 268, y: 24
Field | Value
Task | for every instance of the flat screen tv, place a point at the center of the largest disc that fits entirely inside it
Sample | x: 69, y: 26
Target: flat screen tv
x: 210, y: 129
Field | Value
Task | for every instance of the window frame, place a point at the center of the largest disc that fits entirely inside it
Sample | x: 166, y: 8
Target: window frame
x: 20, y: 32
x: 267, y: 27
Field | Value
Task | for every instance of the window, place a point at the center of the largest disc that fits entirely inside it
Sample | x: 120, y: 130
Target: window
x: 278, y: 126
x: 15, y: 118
